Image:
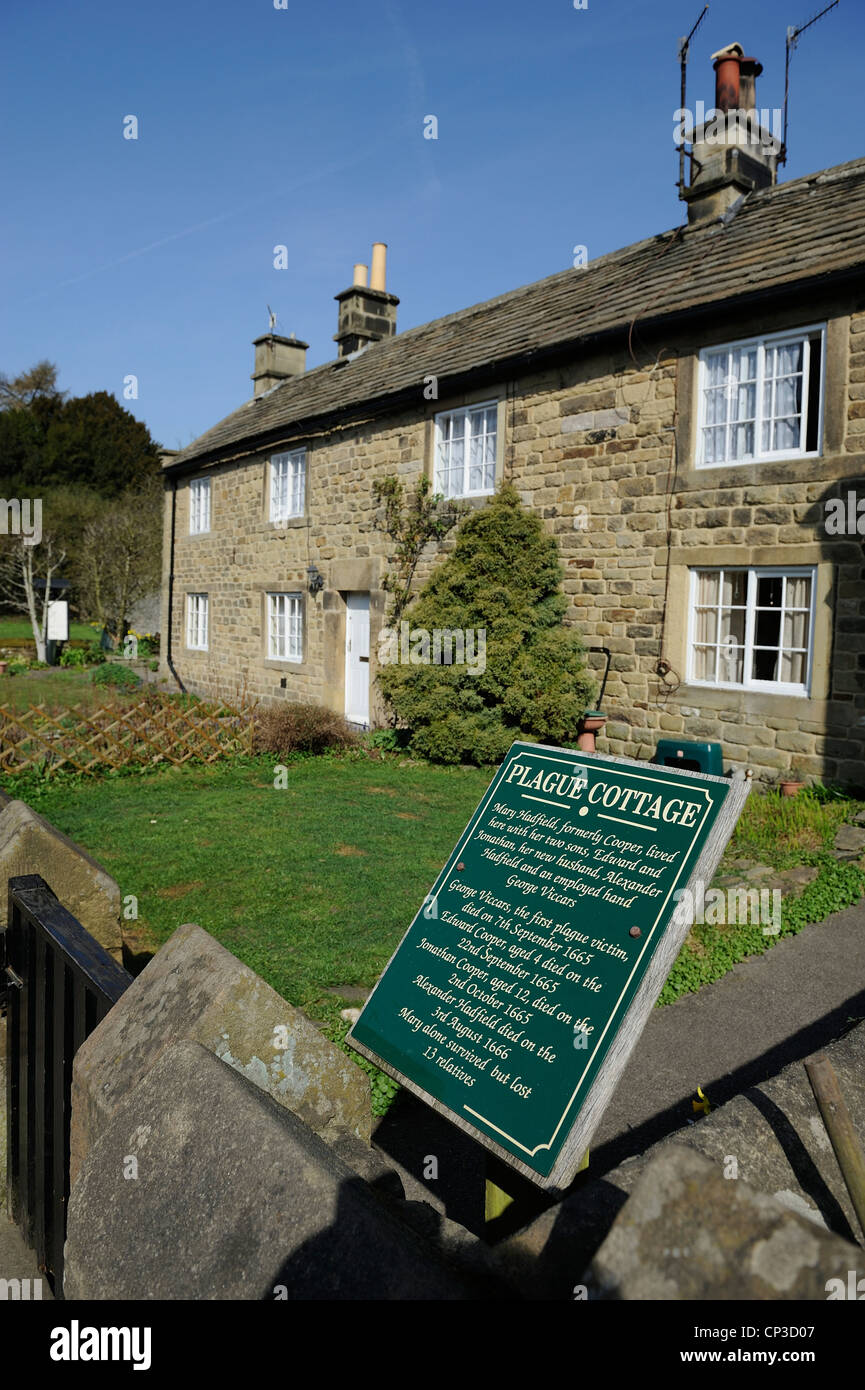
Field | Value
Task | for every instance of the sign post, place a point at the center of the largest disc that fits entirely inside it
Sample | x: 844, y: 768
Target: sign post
x: 515, y: 997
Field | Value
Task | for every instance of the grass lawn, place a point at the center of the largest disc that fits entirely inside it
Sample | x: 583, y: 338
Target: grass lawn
x: 15, y: 628
x: 313, y: 886
x: 56, y: 686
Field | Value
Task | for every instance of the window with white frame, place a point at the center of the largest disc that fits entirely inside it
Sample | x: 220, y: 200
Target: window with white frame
x: 761, y: 399
x: 752, y: 628
x: 199, y: 506
x: 196, y: 622
x: 284, y: 627
x: 465, y: 451
x: 287, y: 485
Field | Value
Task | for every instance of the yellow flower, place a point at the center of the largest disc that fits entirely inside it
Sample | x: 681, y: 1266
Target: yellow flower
x: 702, y: 1103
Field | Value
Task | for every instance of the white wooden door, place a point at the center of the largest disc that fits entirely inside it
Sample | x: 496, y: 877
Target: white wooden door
x: 357, y: 658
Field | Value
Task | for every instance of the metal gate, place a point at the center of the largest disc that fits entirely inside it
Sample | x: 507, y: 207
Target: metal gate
x: 56, y: 983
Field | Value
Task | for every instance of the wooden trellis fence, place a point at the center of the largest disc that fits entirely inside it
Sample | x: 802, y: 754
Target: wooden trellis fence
x: 144, y: 732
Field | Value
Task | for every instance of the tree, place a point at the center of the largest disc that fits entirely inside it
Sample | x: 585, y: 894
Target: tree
x: 76, y: 458
x: 94, y: 441
x: 119, y: 558
x: 20, y: 392
x: 503, y: 578
x: 22, y: 563
x: 47, y: 441
x: 62, y: 516
x: 425, y: 518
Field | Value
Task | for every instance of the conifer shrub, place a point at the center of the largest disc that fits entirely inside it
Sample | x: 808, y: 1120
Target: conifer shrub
x: 503, y: 576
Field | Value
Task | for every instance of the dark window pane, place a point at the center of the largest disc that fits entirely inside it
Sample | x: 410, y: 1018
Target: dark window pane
x: 769, y: 592
x: 767, y: 629
x: 765, y: 666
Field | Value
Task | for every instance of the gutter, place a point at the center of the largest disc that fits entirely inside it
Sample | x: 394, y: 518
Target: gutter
x: 168, y: 659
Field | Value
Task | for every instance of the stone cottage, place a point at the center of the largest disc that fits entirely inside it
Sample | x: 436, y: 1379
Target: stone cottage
x: 687, y: 415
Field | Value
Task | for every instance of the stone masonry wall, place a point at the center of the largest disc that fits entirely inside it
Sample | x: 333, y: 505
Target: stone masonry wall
x: 603, y: 448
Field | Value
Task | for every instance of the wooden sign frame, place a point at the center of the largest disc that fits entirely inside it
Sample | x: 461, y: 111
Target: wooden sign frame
x: 636, y: 1014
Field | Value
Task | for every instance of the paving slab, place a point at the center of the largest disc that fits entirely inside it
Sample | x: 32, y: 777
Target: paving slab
x: 768, y: 1011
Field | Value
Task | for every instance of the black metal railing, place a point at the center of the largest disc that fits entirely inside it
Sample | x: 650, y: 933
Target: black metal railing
x: 56, y: 983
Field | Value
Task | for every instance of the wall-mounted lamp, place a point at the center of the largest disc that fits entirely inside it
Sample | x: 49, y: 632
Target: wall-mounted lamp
x: 316, y: 580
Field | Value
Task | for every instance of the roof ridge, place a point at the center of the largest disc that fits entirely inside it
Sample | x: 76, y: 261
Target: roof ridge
x: 576, y: 302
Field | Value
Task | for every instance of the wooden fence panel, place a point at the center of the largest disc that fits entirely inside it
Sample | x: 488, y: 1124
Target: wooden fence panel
x: 121, y: 735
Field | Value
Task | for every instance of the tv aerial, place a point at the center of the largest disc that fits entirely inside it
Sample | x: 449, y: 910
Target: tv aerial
x: 684, y: 46
x: 793, y: 34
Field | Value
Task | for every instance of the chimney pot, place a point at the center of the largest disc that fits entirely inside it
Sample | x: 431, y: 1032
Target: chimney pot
x: 378, y: 275
x: 727, y: 82
x: 749, y: 71
x: 360, y: 274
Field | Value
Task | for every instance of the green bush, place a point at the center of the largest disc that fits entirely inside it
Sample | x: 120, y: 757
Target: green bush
x: 87, y: 654
x: 386, y: 740
x: 284, y: 729
x: 109, y: 674
x: 504, y: 576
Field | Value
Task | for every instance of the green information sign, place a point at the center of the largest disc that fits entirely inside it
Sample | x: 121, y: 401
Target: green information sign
x: 522, y: 984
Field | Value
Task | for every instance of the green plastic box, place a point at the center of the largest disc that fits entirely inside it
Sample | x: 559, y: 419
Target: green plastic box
x: 690, y: 755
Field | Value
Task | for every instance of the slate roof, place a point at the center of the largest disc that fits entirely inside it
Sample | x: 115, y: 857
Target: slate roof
x: 799, y: 231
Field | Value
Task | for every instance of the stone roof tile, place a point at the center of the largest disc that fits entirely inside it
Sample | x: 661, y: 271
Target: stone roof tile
x: 797, y: 231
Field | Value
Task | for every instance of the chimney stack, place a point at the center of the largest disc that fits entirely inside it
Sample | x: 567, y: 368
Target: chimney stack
x: 733, y: 151
x: 367, y: 313
x: 276, y: 359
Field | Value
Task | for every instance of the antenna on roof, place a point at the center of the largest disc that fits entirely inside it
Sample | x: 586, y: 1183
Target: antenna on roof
x: 793, y: 33
x: 272, y: 316
x: 684, y: 45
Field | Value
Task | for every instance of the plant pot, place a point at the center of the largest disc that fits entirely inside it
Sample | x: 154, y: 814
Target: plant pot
x: 3, y: 666
x: 591, y: 723
x: 790, y: 788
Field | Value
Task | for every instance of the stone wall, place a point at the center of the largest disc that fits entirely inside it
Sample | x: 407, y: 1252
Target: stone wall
x: 201, y: 1177
x: 603, y: 449
x: 29, y: 844
x: 771, y: 1141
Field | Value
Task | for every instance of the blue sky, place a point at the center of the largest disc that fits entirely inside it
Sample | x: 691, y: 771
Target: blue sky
x: 304, y: 127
